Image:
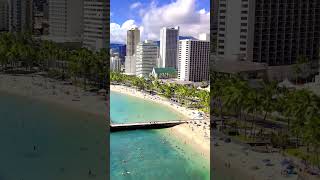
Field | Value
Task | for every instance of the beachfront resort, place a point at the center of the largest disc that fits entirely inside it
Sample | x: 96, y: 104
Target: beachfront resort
x: 161, y: 82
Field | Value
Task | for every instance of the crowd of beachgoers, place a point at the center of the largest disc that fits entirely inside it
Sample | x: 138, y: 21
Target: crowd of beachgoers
x: 195, y: 132
x: 55, y: 91
x: 264, y: 130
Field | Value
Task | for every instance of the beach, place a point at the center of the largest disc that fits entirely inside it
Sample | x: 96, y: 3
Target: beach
x: 231, y: 160
x: 235, y: 160
x: 51, y: 136
x: 65, y: 94
x: 195, y: 133
x: 54, y: 91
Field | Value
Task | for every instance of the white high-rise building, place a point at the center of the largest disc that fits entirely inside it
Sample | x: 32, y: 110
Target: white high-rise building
x: 275, y: 33
x: 146, y: 57
x: 20, y: 15
x: 133, y: 38
x: 95, y: 21
x: 169, y: 47
x: 194, y: 60
x: 4, y: 15
x: 115, y: 64
x: 65, y: 20
x: 204, y: 37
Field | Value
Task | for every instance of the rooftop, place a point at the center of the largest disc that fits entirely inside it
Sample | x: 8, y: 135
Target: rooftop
x: 233, y: 67
x: 169, y: 70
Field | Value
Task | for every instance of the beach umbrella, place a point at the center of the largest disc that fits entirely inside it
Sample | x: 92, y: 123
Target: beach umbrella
x: 266, y: 160
x: 102, y: 91
x: 290, y: 166
x: 227, y: 140
x: 285, y: 162
x: 269, y: 164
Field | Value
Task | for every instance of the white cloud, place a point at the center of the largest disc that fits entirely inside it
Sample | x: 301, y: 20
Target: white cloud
x: 182, y: 13
x: 135, y: 5
x: 202, y: 11
x: 118, y: 33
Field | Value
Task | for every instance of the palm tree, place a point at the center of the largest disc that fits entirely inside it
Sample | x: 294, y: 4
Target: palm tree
x: 298, y: 67
x: 204, y: 97
x: 269, y: 92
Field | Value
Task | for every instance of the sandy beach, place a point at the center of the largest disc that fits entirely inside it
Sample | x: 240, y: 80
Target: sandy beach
x: 195, y: 133
x: 50, y: 90
x: 238, y: 162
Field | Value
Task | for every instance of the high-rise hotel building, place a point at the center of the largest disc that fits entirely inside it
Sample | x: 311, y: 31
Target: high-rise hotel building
x: 133, y: 39
x: 169, y: 38
x: 65, y: 20
x: 147, y: 54
x: 95, y: 24
x: 194, y: 58
x: 275, y: 32
x: 4, y: 15
x: 20, y: 15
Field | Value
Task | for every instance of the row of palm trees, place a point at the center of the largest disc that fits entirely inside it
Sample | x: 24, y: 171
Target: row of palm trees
x: 298, y: 109
x: 185, y: 95
x: 21, y: 51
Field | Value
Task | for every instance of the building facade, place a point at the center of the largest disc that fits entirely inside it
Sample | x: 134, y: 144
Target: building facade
x: 204, y: 37
x: 272, y: 32
x: 115, y: 64
x: 65, y: 20
x: 194, y: 58
x: 4, y: 15
x: 20, y: 15
x: 169, y: 47
x: 133, y: 38
x: 146, y: 56
x: 95, y: 23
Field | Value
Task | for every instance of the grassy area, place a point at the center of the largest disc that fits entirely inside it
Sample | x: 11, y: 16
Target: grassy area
x: 302, y: 153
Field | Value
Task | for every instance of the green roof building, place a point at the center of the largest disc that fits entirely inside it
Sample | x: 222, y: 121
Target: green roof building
x: 164, y: 73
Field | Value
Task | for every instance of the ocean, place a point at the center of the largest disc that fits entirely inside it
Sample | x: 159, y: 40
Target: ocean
x: 40, y: 140
x: 150, y: 154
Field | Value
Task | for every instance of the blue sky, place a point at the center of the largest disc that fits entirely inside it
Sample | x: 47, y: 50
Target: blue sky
x: 150, y: 15
x: 120, y: 9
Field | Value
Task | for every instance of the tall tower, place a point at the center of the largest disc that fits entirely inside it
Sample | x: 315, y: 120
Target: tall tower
x: 20, y: 15
x: 133, y: 39
x: 147, y: 53
x: 95, y: 22
x: 169, y: 47
x: 194, y: 60
x: 273, y: 32
x: 4, y: 15
x: 65, y: 20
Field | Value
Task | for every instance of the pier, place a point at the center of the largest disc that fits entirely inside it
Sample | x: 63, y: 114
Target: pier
x: 144, y: 125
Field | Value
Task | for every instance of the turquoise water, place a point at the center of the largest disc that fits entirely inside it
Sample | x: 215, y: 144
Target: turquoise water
x: 125, y: 108
x: 150, y: 154
x: 68, y: 143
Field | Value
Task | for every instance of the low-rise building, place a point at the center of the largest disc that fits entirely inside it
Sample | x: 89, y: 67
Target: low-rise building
x: 164, y: 73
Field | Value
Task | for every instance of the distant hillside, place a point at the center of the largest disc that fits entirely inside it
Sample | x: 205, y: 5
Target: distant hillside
x: 186, y: 37
x: 116, y: 45
x: 180, y: 38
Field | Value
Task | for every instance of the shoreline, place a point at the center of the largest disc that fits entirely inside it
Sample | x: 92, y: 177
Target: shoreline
x: 189, y: 133
x: 32, y: 86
